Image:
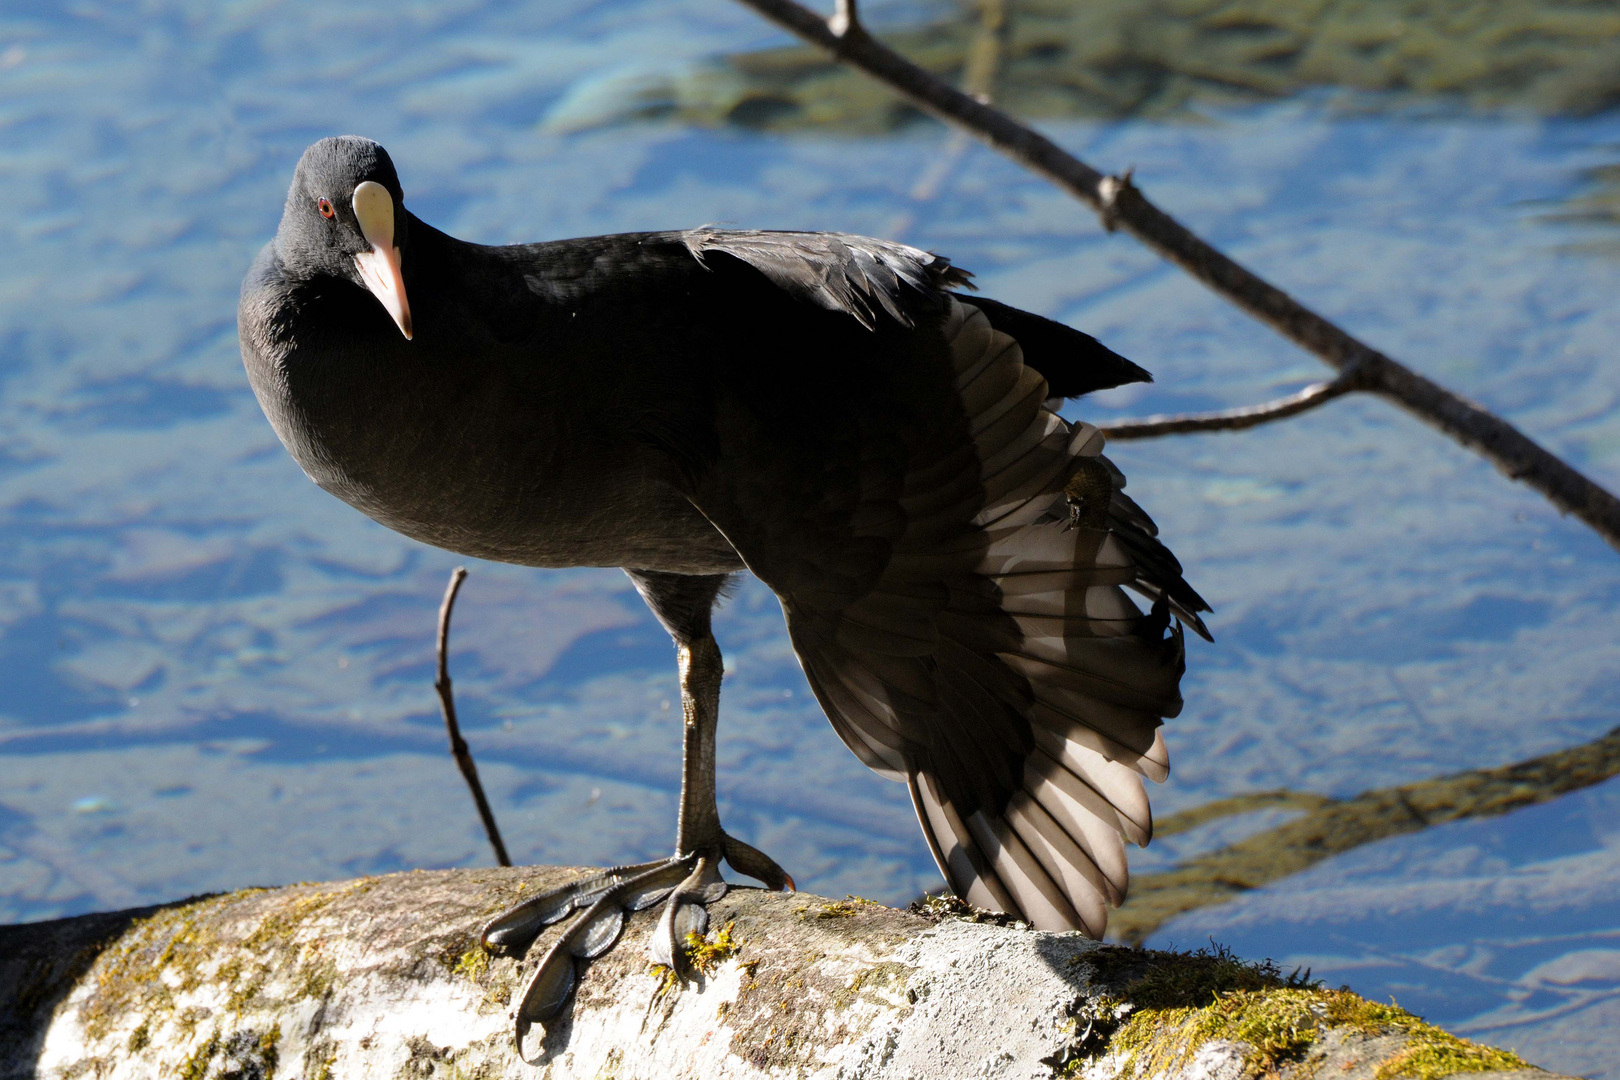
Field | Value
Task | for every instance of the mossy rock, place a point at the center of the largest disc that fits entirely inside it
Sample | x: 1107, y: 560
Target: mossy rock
x: 382, y: 977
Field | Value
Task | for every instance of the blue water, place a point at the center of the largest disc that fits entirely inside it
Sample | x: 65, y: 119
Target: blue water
x: 215, y: 675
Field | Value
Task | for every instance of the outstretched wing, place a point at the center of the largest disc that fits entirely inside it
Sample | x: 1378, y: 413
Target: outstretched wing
x: 952, y: 558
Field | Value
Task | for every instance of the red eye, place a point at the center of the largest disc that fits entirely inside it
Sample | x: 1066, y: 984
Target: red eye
x: 325, y: 206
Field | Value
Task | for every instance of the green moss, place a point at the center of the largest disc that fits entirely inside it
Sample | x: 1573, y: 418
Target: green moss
x: 323, y: 1070
x: 178, y: 949
x: 1279, y: 1024
x: 188, y: 1019
x: 95, y: 1067
x: 1128, y: 984
x: 1282, y: 1023
x: 140, y: 1038
x: 132, y: 976
x: 315, y: 979
x: 847, y: 908
x: 244, y: 991
x: 1433, y: 1054
x: 706, y: 956
x: 284, y: 920
x: 499, y: 978
x: 867, y: 982
x: 473, y: 963
x: 195, y: 1065
x: 1160, y: 980
x: 1143, y: 994
x: 270, y: 1050
x: 665, y: 977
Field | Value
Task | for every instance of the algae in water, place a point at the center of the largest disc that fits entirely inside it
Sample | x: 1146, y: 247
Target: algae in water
x: 1059, y: 59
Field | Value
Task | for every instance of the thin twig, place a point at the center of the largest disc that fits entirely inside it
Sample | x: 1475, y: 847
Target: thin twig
x: 458, y: 745
x: 1122, y: 205
x: 1234, y: 419
x: 845, y: 20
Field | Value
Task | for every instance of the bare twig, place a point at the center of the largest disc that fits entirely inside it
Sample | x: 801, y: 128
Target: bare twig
x: 1122, y: 205
x: 845, y: 20
x: 458, y: 745
x: 1235, y: 419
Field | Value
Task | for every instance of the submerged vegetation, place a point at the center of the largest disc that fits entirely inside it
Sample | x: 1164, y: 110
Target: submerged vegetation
x: 1596, y: 206
x: 1055, y: 59
x: 1174, y: 60
x: 1333, y: 826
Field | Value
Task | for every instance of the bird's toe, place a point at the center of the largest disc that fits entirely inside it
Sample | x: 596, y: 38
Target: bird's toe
x: 749, y: 860
x: 512, y: 931
x: 685, y: 915
x: 606, y: 899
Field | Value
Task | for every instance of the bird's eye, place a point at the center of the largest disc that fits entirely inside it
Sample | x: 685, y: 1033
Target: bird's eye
x: 325, y: 206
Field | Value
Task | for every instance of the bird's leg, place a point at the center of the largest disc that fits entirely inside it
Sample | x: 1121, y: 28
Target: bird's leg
x: 689, y: 879
x: 702, y: 669
x: 698, y: 830
x: 700, y: 842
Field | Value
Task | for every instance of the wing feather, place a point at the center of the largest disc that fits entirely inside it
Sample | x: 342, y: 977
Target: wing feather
x: 1041, y: 899
x: 978, y: 641
x: 853, y: 274
x: 1082, y: 883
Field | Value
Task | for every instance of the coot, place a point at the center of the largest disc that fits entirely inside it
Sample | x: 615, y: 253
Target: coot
x: 829, y: 412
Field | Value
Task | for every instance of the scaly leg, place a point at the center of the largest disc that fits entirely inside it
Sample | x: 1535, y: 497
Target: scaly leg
x: 687, y: 881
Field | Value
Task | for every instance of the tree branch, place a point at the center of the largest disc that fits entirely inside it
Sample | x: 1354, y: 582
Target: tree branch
x: 1235, y: 419
x: 458, y: 745
x: 1121, y: 205
x: 846, y: 19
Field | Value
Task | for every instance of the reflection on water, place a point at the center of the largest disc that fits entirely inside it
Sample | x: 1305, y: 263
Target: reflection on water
x: 216, y: 675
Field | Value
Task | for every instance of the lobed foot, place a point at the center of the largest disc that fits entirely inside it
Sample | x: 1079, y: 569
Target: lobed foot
x: 685, y: 883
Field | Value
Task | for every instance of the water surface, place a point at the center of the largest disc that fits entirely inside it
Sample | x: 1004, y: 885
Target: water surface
x: 216, y: 675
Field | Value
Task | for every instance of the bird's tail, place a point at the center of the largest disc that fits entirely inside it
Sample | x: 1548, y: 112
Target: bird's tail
x: 1027, y: 715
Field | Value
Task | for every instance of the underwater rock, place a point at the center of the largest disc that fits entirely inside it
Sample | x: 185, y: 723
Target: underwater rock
x: 1057, y: 59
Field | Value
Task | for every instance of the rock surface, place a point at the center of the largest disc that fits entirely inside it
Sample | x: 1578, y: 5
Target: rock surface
x: 381, y: 977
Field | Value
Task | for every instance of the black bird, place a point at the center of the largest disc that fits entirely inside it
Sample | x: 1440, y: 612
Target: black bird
x: 822, y: 410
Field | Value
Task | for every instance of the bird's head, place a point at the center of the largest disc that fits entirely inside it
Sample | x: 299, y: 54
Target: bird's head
x: 345, y: 217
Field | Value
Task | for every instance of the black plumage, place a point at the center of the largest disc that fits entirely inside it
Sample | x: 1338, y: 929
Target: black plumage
x: 829, y: 412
